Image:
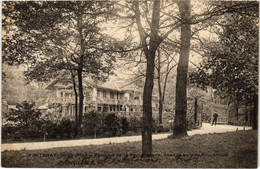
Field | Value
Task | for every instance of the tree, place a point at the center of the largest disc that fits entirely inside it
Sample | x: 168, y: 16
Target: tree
x: 179, y: 127
x: 26, y: 120
x: 213, y: 11
x: 162, y: 77
x: 231, y: 65
x: 16, y: 88
x: 25, y: 114
x: 164, y: 66
x: 55, y: 36
x: 150, y: 58
x: 153, y: 29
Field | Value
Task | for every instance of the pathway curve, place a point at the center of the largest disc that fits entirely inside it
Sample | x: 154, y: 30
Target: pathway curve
x: 205, y: 129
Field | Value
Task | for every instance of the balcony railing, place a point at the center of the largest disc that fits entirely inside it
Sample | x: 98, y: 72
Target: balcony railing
x: 110, y: 101
x: 123, y: 101
x: 61, y: 100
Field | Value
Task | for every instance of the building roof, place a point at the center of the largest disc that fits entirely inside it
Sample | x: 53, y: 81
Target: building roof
x: 110, y: 84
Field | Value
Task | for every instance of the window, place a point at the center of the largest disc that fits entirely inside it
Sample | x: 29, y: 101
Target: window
x: 121, y: 95
x: 98, y: 93
x: 111, y: 95
x: 104, y: 94
x: 131, y: 96
x: 61, y: 94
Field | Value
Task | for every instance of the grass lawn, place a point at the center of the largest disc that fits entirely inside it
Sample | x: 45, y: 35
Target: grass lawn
x: 227, y: 150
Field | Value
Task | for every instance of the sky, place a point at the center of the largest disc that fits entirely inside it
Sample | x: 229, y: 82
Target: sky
x: 112, y: 30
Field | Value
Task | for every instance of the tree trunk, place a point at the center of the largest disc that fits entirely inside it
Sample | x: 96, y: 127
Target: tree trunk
x: 147, y: 108
x: 237, y: 108
x: 160, y: 89
x: 255, y: 113
x: 76, y: 104
x: 81, y: 99
x: 149, y: 80
x: 44, y: 133
x: 160, y: 110
x: 80, y: 70
x: 195, y: 110
x: 179, y: 126
x: 95, y: 132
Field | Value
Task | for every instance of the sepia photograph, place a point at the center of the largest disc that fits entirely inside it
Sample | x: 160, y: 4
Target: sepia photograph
x: 129, y: 84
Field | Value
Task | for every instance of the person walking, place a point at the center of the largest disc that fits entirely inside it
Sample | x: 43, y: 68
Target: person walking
x: 215, y: 117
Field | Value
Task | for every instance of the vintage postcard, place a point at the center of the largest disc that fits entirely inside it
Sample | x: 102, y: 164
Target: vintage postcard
x: 129, y: 84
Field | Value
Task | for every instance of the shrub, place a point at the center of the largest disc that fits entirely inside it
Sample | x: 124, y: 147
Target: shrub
x: 124, y: 125
x: 135, y: 124
x: 24, y: 122
x: 112, y: 125
x: 10, y: 132
x: 33, y: 130
x: 66, y: 128
x: 92, y: 123
x: 164, y: 127
x: 52, y: 129
x: 130, y: 133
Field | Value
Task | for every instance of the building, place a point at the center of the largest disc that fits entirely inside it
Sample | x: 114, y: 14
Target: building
x: 105, y: 97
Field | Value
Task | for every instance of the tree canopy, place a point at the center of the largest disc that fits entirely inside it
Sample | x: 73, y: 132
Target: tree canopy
x: 231, y: 64
x: 53, y: 37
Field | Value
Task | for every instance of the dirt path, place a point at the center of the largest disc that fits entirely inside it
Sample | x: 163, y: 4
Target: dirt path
x: 206, y: 129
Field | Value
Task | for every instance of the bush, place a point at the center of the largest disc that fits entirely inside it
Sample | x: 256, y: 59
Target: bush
x: 33, y: 130
x: 124, y: 125
x: 51, y: 128
x: 164, y: 127
x: 130, y: 133
x: 66, y: 128
x: 10, y: 132
x: 135, y: 124
x: 92, y: 123
x: 24, y: 122
x: 62, y: 129
x: 112, y: 125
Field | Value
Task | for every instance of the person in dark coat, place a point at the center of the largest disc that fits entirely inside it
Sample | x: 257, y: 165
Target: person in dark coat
x: 215, y: 117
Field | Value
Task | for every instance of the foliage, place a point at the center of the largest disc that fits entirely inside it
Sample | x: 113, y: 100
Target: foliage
x: 92, y: 123
x: 59, y: 129
x: 54, y: 113
x: 28, y: 123
x: 112, y: 126
x: 124, y: 125
x: 240, y: 118
x: 66, y: 128
x: 135, y: 124
x: 58, y: 37
x: 51, y: 129
x: 24, y: 122
x: 231, y: 66
x: 25, y: 114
